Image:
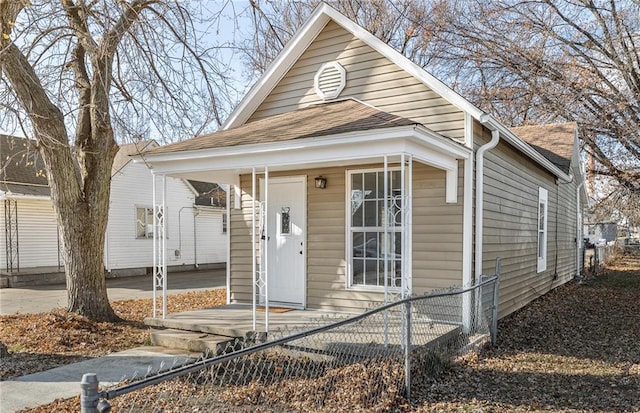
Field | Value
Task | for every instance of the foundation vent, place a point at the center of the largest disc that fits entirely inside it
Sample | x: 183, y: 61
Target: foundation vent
x: 330, y: 80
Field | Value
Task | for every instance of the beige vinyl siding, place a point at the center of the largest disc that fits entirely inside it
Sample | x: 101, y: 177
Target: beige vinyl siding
x: 437, y: 250
x: 510, y: 220
x: 370, y: 77
x: 437, y: 231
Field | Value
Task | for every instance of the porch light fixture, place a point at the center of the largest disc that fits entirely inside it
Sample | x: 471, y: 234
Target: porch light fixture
x: 321, y: 182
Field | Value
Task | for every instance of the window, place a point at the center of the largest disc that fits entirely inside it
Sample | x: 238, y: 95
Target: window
x: 144, y: 222
x: 367, y: 240
x: 224, y: 223
x: 542, y: 228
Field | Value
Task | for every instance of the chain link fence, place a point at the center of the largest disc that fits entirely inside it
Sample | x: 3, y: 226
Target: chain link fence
x: 369, y: 362
x: 597, y: 256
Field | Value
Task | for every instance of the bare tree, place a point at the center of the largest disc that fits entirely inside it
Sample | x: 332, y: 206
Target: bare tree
x: 557, y: 60
x: 79, y: 74
x: 275, y: 23
x: 527, y: 62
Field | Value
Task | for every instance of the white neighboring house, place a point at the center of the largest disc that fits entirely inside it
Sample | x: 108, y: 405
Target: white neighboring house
x: 29, y: 246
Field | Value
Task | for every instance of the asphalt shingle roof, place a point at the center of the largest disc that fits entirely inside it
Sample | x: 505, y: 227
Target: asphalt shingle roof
x: 314, y: 121
x: 554, y: 141
x: 123, y: 157
x: 22, y: 170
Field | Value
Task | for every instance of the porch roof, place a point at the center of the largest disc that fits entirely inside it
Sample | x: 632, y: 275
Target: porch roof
x: 345, y: 132
x: 323, y: 119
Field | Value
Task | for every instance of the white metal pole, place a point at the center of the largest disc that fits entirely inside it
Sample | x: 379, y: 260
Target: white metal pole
x: 266, y: 249
x: 409, y: 228
x: 155, y: 242
x: 164, y: 246
x: 385, y: 236
x: 253, y: 242
x: 385, y: 226
x: 228, y: 240
x: 403, y: 226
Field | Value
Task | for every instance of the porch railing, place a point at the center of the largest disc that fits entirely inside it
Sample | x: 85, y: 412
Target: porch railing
x: 363, y: 362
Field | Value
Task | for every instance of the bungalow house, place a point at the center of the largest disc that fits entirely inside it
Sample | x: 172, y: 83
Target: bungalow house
x: 29, y: 252
x: 356, y: 177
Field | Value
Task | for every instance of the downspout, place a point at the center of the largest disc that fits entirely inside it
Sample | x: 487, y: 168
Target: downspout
x: 579, y: 241
x: 495, y: 138
x: 196, y: 212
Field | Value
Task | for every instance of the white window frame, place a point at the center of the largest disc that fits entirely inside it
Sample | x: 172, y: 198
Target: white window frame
x: 542, y: 228
x: 350, y: 229
x: 224, y: 223
x: 148, y: 224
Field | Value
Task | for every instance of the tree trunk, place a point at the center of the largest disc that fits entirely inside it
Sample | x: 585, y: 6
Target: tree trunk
x: 82, y: 217
x: 83, y: 246
x: 80, y: 182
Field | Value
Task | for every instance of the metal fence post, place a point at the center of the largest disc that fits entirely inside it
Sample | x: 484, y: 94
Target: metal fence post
x: 407, y: 351
x: 89, y: 394
x: 496, y: 298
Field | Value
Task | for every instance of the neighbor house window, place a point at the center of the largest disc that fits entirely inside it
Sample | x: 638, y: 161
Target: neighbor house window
x: 144, y: 222
x: 542, y: 228
x: 224, y: 223
x: 367, y: 240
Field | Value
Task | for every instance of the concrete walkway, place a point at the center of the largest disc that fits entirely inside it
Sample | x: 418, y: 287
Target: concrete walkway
x: 39, y: 299
x: 64, y: 382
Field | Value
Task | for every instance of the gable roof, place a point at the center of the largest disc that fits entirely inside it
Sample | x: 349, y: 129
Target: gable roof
x: 22, y: 170
x: 307, y: 34
x: 209, y: 194
x: 554, y: 141
x: 331, y: 118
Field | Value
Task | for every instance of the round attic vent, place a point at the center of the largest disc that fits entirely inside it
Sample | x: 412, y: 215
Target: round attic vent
x: 330, y: 80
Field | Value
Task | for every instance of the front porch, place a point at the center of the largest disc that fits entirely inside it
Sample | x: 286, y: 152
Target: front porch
x: 228, y: 328
x: 236, y: 320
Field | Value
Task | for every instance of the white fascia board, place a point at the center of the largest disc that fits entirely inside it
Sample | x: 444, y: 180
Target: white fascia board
x: 278, y: 68
x: 441, y: 143
x: 433, y: 150
x: 191, y: 188
x: 493, y: 124
x: 299, y: 43
x: 416, y: 133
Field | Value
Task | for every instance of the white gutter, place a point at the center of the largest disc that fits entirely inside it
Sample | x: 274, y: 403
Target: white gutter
x: 495, y: 138
x: 493, y: 124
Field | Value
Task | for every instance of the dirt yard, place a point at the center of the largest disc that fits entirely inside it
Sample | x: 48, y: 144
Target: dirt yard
x: 576, y: 349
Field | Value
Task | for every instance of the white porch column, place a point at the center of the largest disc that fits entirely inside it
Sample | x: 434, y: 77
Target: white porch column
x: 266, y: 249
x: 159, y: 246
x: 253, y: 245
x: 385, y: 224
x: 406, y: 177
x: 407, y: 233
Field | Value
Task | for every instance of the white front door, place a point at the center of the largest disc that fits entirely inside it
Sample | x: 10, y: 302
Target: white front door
x: 286, y: 240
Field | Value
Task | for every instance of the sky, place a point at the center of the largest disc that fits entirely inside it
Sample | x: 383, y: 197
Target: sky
x: 231, y: 28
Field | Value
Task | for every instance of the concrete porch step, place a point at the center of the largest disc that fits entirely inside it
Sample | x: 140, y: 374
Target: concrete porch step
x: 198, y: 325
x: 195, y: 341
